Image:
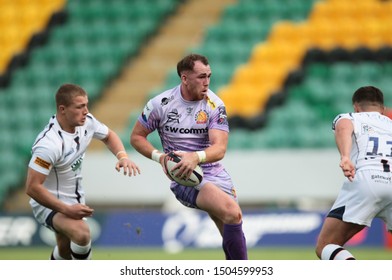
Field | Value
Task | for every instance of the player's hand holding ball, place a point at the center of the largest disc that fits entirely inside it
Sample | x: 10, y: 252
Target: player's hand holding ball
x: 176, y: 173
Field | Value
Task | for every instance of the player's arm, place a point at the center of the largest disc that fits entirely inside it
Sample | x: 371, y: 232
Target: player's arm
x: 343, y: 138
x: 36, y: 190
x: 215, y: 152
x: 141, y: 144
x: 115, y: 145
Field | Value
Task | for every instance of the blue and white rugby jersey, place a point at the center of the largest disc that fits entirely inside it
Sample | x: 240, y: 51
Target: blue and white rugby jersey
x: 59, y: 155
x: 372, y: 141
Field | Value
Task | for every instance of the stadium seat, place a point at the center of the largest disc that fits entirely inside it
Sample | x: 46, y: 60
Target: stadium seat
x: 343, y: 71
x: 240, y: 139
x: 88, y: 50
x: 19, y: 22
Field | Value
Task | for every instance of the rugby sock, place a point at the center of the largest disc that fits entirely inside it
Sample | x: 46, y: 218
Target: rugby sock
x: 234, y: 242
x: 81, y: 252
x: 335, y: 252
x: 227, y: 255
x: 56, y: 255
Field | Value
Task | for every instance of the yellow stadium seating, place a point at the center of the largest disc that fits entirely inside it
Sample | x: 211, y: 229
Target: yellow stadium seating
x: 332, y: 24
x: 19, y: 21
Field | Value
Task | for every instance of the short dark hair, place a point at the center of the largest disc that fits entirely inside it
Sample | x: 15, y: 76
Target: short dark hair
x: 188, y: 62
x: 67, y: 92
x: 368, y: 95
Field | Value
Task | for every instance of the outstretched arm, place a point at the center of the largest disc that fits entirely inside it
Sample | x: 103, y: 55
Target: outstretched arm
x: 115, y: 145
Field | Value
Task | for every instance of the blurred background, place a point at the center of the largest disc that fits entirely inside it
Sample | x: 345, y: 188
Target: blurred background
x: 284, y: 68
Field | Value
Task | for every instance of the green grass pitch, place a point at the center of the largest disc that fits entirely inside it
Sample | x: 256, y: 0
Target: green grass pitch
x: 131, y: 253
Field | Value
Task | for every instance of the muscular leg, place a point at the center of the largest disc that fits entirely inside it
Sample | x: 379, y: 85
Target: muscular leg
x: 218, y: 224
x: 220, y: 227
x: 227, y: 215
x: 335, y: 232
x: 62, y: 250
x: 73, y: 237
x: 219, y: 204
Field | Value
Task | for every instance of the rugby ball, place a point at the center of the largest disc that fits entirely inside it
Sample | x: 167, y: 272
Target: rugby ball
x: 196, y: 177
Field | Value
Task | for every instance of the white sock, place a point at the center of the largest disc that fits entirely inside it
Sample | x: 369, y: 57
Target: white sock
x: 81, y: 252
x: 56, y: 254
x: 335, y: 252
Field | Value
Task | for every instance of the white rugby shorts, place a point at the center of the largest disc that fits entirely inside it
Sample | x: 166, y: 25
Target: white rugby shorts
x: 41, y: 213
x: 367, y: 197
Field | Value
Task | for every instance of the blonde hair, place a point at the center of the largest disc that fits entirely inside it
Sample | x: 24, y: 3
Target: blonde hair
x: 67, y: 92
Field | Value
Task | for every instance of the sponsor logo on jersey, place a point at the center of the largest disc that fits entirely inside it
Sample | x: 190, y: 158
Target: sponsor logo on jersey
x: 43, y: 163
x: 173, y: 116
x: 222, y: 116
x: 189, y: 110
x: 366, y: 129
x: 76, y: 165
x: 166, y: 100
x: 147, y: 111
x: 201, y: 117
x: 184, y: 130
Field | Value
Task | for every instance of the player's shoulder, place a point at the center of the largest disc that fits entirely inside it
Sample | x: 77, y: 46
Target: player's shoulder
x: 49, y: 138
x: 363, y: 117
x: 344, y: 116
x: 91, y: 120
x: 162, y: 101
x: 165, y: 97
x: 159, y: 102
x: 353, y: 116
x: 341, y: 116
x: 213, y: 96
x: 371, y: 116
x: 213, y: 100
x: 49, y: 128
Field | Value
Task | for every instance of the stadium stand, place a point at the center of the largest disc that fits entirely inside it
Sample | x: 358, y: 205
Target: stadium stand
x: 228, y: 44
x: 331, y: 24
x: 24, y: 25
x: 148, y: 70
x: 19, y: 21
x: 304, y: 120
x: 282, y: 69
x: 278, y: 42
x: 88, y: 49
x: 267, y: 48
